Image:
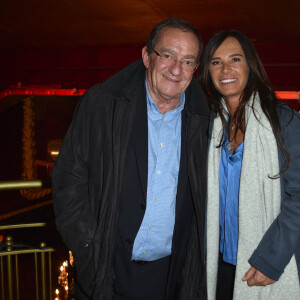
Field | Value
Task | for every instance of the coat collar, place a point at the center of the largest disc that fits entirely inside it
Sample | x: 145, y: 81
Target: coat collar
x: 127, y: 81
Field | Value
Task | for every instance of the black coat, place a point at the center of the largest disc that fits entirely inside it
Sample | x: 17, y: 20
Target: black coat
x: 89, y: 173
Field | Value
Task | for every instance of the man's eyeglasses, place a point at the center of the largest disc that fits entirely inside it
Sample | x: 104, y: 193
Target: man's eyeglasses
x: 168, y: 59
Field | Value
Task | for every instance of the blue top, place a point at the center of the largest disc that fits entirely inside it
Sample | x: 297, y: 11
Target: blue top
x: 154, y: 238
x: 230, y: 173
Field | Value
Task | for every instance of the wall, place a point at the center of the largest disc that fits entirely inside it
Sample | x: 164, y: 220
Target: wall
x: 81, y: 68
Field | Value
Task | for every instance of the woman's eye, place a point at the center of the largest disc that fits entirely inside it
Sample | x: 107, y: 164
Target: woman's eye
x: 215, y: 62
x: 235, y: 59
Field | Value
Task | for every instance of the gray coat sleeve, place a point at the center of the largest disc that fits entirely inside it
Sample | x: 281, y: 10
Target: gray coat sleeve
x: 282, y: 239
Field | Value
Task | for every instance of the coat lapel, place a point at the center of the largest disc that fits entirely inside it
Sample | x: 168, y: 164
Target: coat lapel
x: 140, y: 139
x: 182, y: 176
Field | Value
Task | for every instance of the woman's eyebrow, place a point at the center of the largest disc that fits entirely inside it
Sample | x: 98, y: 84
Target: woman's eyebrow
x: 237, y: 54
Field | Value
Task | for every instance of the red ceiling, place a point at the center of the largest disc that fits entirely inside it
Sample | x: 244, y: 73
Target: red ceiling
x: 90, y: 23
x: 76, y: 43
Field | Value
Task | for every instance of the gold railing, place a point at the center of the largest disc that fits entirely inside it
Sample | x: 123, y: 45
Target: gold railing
x: 22, y: 184
x: 10, y: 269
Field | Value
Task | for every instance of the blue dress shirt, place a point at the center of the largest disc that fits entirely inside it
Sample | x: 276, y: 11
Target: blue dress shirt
x: 154, y: 238
x: 230, y: 173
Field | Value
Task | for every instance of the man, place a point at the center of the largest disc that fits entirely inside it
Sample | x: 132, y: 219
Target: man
x: 122, y: 197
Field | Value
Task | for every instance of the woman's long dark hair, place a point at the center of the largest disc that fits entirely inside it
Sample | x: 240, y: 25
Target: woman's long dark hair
x: 258, y: 82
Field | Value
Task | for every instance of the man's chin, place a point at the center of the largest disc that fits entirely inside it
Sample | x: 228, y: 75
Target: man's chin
x: 172, y: 96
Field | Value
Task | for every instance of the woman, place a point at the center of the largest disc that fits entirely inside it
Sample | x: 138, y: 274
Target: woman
x: 253, y: 209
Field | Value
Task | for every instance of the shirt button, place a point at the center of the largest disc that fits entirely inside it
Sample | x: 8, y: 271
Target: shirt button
x: 158, y: 172
x: 145, y: 252
x: 155, y: 200
x: 164, y: 119
x: 150, y: 227
x: 161, y: 144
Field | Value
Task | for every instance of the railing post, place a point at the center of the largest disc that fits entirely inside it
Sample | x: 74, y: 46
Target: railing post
x: 43, y: 245
x: 50, y: 276
x: 17, y: 277
x: 8, y: 244
x: 2, y: 279
x: 36, y: 276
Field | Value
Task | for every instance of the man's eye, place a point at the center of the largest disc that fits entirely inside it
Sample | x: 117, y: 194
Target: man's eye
x: 188, y: 62
x: 166, y: 56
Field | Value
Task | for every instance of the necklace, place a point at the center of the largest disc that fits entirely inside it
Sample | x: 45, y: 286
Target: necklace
x: 229, y: 147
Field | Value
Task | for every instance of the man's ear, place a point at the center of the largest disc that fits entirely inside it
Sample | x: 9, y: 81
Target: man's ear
x: 145, y: 57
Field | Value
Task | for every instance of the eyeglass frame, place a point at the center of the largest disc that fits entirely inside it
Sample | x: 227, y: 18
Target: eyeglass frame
x: 176, y: 60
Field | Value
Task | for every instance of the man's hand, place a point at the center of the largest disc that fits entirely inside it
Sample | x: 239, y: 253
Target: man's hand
x: 255, y: 277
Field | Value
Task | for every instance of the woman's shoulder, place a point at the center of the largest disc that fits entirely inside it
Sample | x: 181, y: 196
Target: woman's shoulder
x: 288, y: 117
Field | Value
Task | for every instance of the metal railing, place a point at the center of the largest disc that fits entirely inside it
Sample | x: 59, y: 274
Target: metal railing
x: 23, y: 184
x: 38, y: 257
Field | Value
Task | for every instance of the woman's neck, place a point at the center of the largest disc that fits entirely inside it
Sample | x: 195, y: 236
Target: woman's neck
x: 232, y: 104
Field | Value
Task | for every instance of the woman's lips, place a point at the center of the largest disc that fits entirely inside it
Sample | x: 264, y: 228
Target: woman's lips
x: 229, y: 80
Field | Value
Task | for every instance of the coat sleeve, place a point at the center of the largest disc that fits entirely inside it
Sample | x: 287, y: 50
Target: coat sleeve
x: 282, y: 239
x: 70, y: 190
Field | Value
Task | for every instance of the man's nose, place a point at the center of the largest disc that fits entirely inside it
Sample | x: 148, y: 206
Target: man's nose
x: 175, y: 68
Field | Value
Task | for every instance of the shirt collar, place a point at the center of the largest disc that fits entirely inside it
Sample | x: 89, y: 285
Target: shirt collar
x: 153, y: 106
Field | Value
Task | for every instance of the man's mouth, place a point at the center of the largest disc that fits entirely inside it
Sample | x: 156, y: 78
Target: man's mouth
x: 170, y: 79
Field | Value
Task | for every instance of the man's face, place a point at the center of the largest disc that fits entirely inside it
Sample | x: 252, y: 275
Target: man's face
x: 167, y: 82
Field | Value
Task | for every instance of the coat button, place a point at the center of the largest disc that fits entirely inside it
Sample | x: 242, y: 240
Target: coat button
x: 129, y: 241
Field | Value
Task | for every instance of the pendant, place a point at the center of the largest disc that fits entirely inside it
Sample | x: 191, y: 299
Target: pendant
x: 229, y: 147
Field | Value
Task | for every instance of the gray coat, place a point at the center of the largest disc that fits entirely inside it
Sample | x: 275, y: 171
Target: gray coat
x: 282, y: 239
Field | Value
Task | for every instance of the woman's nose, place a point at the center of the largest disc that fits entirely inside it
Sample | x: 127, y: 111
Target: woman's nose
x: 226, y: 68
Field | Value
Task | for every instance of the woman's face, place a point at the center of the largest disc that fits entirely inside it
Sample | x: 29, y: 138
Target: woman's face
x: 229, y: 70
